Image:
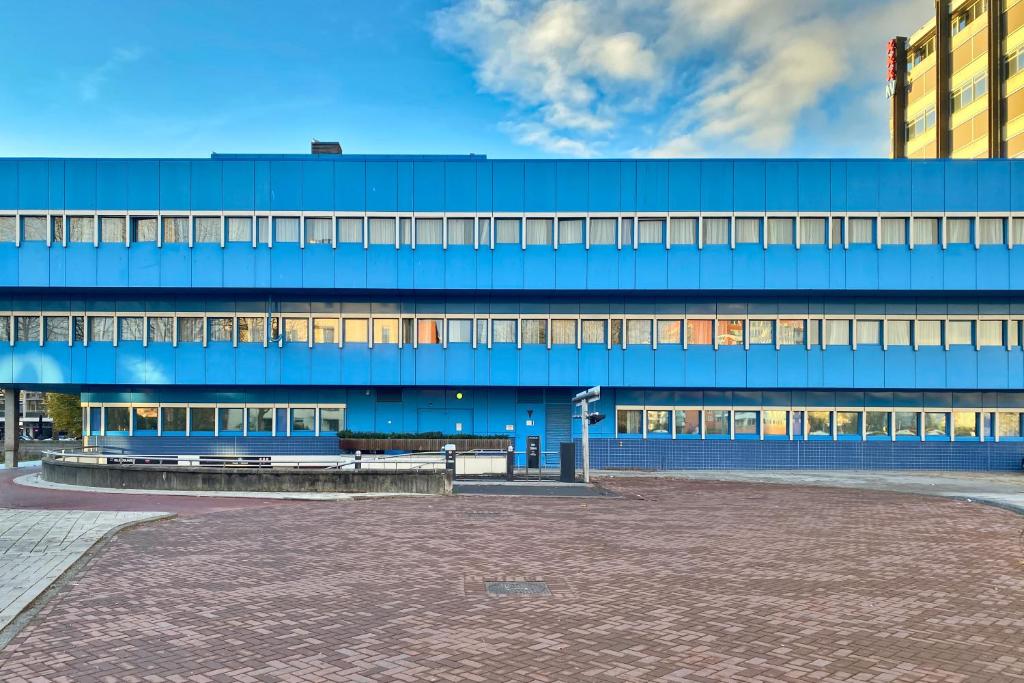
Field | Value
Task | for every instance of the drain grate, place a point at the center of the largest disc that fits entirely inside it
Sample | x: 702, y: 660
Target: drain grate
x: 516, y: 588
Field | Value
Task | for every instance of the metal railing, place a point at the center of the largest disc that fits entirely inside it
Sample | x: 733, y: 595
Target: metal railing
x: 419, y: 461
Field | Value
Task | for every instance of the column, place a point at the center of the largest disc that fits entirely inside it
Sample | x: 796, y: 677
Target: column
x: 12, y: 425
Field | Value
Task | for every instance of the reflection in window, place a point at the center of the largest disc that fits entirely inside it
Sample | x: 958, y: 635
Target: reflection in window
x: 460, y: 231
x: 325, y: 331
x: 350, y: 231
x: 796, y: 422
x: 563, y: 332
x: 286, y: 230
x: 295, y: 330
x: 959, y: 332
x: 876, y: 423
x: 239, y: 229
x: 716, y: 422
x: 774, y: 423
x: 33, y: 228
x: 251, y: 330
x: 82, y: 229
x: 143, y: 230
x: 638, y: 332
x: 130, y: 328
x: 847, y: 423
x: 161, y: 329
x: 1009, y: 425
x: 812, y: 231
x: 906, y: 423
x: 481, y: 331
x: 460, y: 331
x: 57, y: 224
x: 688, y: 423
x: 791, y: 332
x: 117, y: 420
x: 101, y: 328
x: 26, y: 328
x: 936, y: 424
x: 716, y: 230
x: 260, y: 420
x: 745, y: 423
x: 428, y: 331
x: 201, y: 420
x: 760, y: 331
x: 382, y: 231
x: 190, y: 330
x: 172, y: 420
x: 669, y: 332
x: 897, y: 333
x: 748, y: 231
x: 220, y: 329
x: 965, y: 424
x: 819, y: 423
x: 629, y: 422
x: 698, y: 332
x: 730, y: 332
x: 503, y: 331
x: 385, y: 331
x: 594, y: 332
x: 55, y: 328
x: 303, y: 420
x: 615, y: 331
x: 682, y: 231
x: 602, y: 230
x: 231, y: 420
x: 869, y: 332
x: 9, y: 229
x: 570, y: 231
x: 145, y: 419
x: 319, y: 230
x: 208, y: 230
x: 535, y: 331
x: 112, y: 230
x: 659, y: 422
x: 357, y: 331
x: 176, y: 229
x: 5, y: 330
x: 332, y: 420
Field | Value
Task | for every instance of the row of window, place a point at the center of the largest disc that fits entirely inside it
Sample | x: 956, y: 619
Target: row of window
x: 633, y: 331
x: 484, y: 232
x: 212, y: 420
x: 966, y: 93
x: 816, y: 424
x: 964, y: 17
x: 921, y: 124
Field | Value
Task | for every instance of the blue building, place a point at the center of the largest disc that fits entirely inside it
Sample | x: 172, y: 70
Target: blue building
x: 741, y: 313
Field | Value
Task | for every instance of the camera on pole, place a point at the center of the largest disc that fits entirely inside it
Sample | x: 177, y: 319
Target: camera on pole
x: 583, y: 399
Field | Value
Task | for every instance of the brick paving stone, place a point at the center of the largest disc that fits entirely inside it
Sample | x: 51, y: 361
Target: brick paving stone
x: 674, y: 581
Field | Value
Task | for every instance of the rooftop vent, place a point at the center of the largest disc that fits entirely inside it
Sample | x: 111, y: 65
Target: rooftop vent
x: 325, y: 147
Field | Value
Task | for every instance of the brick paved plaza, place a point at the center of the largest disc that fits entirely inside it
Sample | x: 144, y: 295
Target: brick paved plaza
x: 673, y: 581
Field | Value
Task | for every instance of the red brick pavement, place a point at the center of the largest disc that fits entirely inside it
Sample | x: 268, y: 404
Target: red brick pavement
x: 677, y: 581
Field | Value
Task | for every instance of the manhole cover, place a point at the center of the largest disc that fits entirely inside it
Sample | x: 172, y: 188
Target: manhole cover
x: 516, y: 588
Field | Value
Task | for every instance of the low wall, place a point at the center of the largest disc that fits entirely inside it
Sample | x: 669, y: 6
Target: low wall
x: 277, y: 480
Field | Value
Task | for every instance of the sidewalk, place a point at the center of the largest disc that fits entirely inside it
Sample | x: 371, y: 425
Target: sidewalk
x: 1002, y: 489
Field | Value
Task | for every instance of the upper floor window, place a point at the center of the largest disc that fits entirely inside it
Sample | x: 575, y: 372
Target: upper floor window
x: 683, y: 231
x: 503, y: 331
x: 535, y: 331
x: 33, y: 228
x: 130, y: 328
x: 357, y: 331
x: 286, y: 229
x: 570, y: 231
x: 991, y: 231
x: 428, y: 231
x: 112, y: 230
x: 894, y: 231
x: 595, y: 331
x: 325, y: 331
x: 385, y: 331
x: 861, y: 231
x: 460, y: 331
x: 57, y: 226
x: 926, y: 231
x: 959, y: 332
x: 208, y: 229
x: 101, y: 328
x: 252, y: 330
x: 1015, y: 62
x: 176, y: 229
x: 8, y: 229
x: 143, y: 230
x: 602, y: 230
x: 837, y: 332
x: 55, y: 328
x: 626, y: 232
x: 964, y: 17
x: 320, y: 230
x: 716, y: 230
x: 748, y: 231
x: 82, y: 229
x: 460, y: 231
x: 921, y: 124
x: 812, y: 231
x: 780, y: 231
x: 506, y: 231
x: 730, y: 332
x: 760, y: 331
x: 350, y: 231
x: 698, y: 332
x: 483, y: 231
x: 958, y: 231
x: 428, y: 331
x: 968, y: 92
x: 669, y: 332
x: 382, y: 231
x: 563, y: 332
x: 161, y: 329
x: 638, y: 332
x: 190, y: 330
x: 220, y: 329
x: 538, y: 231
x: 791, y: 332
x: 650, y: 231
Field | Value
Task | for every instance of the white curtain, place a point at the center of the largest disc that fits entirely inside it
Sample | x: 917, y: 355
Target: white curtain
x: 405, y: 231
x: 503, y: 331
x: 239, y: 229
x: 926, y: 231
x: 9, y: 229
x: 959, y: 332
x: 650, y: 231
x: 990, y: 231
x: 683, y: 231
x: 539, y: 231
x: 748, y: 231
x: 812, y: 231
x: 928, y: 332
x: 460, y: 231
x: 1018, y: 228
x: 208, y: 229
x: 286, y: 230
x: 563, y: 332
x: 861, y: 230
x: 382, y: 231
x: 897, y: 332
x: 869, y: 332
x: 190, y: 330
x: 263, y: 230
x: 318, y: 230
x: 484, y: 231
x: 460, y: 331
x: 990, y: 333
x: 594, y: 331
x: 350, y: 231
x: 894, y: 231
x: 837, y: 332
x: 570, y: 231
x: 958, y: 230
x: 428, y: 231
x: 602, y: 230
x: 626, y: 232
x: 506, y: 230
x: 780, y: 231
x: 112, y: 229
x: 716, y: 230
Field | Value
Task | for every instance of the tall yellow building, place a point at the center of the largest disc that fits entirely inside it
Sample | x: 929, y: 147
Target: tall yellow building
x: 961, y: 91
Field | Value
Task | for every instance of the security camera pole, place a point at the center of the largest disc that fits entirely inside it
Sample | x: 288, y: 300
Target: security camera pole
x: 583, y: 399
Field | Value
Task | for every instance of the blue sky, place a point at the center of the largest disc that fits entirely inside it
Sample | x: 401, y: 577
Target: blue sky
x: 523, y: 78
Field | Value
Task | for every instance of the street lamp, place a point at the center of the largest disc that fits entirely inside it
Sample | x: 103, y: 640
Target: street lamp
x: 583, y: 399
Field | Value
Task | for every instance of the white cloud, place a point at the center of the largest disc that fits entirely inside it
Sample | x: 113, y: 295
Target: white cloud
x: 719, y: 76
x: 89, y: 85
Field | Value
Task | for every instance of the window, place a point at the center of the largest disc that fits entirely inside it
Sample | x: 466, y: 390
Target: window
x: 9, y: 229
x: 570, y: 231
x: 963, y: 18
x: 483, y: 231
x: 791, y: 332
x: 1013, y: 333
x: 130, y: 329
x: 405, y: 231
x: 408, y: 330
x: 928, y: 332
x: 382, y: 230
x: 535, y: 331
x: 176, y: 230
x: 33, y: 228
x: 1015, y: 63
x: 82, y: 229
x: 202, y: 421
x: 101, y: 328
x: 263, y: 230
x: 506, y: 231
x: 55, y: 328
x: 730, y: 332
x: 924, y: 122
x: 325, y: 331
x: 58, y: 229
x: 819, y: 423
x: 837, y: 332
x: 876, y: 423
x: 220, y: 329
x: 688, y: 423
x: 350, y: 231
x: 626, y: 232
x: 538, y: 231
x: 936, y: 425
x: 669, y: 332
x: 812, y: 231
x: 958, y: 230
x: 780, y: 231
x: 861, y: 231
x: 602, y: 230
x: 745, y: 423
x: 836, y: 232
x: 385, y: 331
x: 1008, y: 425
x: 748, y: 231
x: 143, y: 230
x: 239, y: 229
x: 260, y: 420
x: 161, y: 329
x: 357, y: 331
x: 563, y: 332
x: 659, y: 422
x: 814, y: 332
x: 208, y: 230
x: 190, y: 330
x: 716, y: 230
x: 869, y: 332
x: 894, y: 231
x: 990, y: 333
x: 959, y: 332
x: 698, y: 332
x: 682, y: 231
x: 926, y: 231
x: 760, y: 332
x: 969, y: 91
x: 965, y: 424
x: 615, y: 332
x: 231, y: 420
x: 332, y: 420
x: 650, y: 231
x: 460, y: 231
x: 428, y: 331
x: 296, y: 330
x: 906, y: 424
x: 112, y: 230
x: 481, y: 331
x: 5, y: 330
x: 847, y: 423
x: 629, y: 422
x: 897, y: 333
x: 716, y: 422
x: 117, y: 420
x: 286, y: 230
x: 990, y: 231
x: 638, y: 332
x: 303, y: 420
x: 145, y: 419
x: 320, y: 230
x: 251, y: 330
x: 594, y: 332
x: 460, y: 331
x: 503, y: 331
x: 429, y: 231
x: 774, y: 423
x: 172, y: 421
